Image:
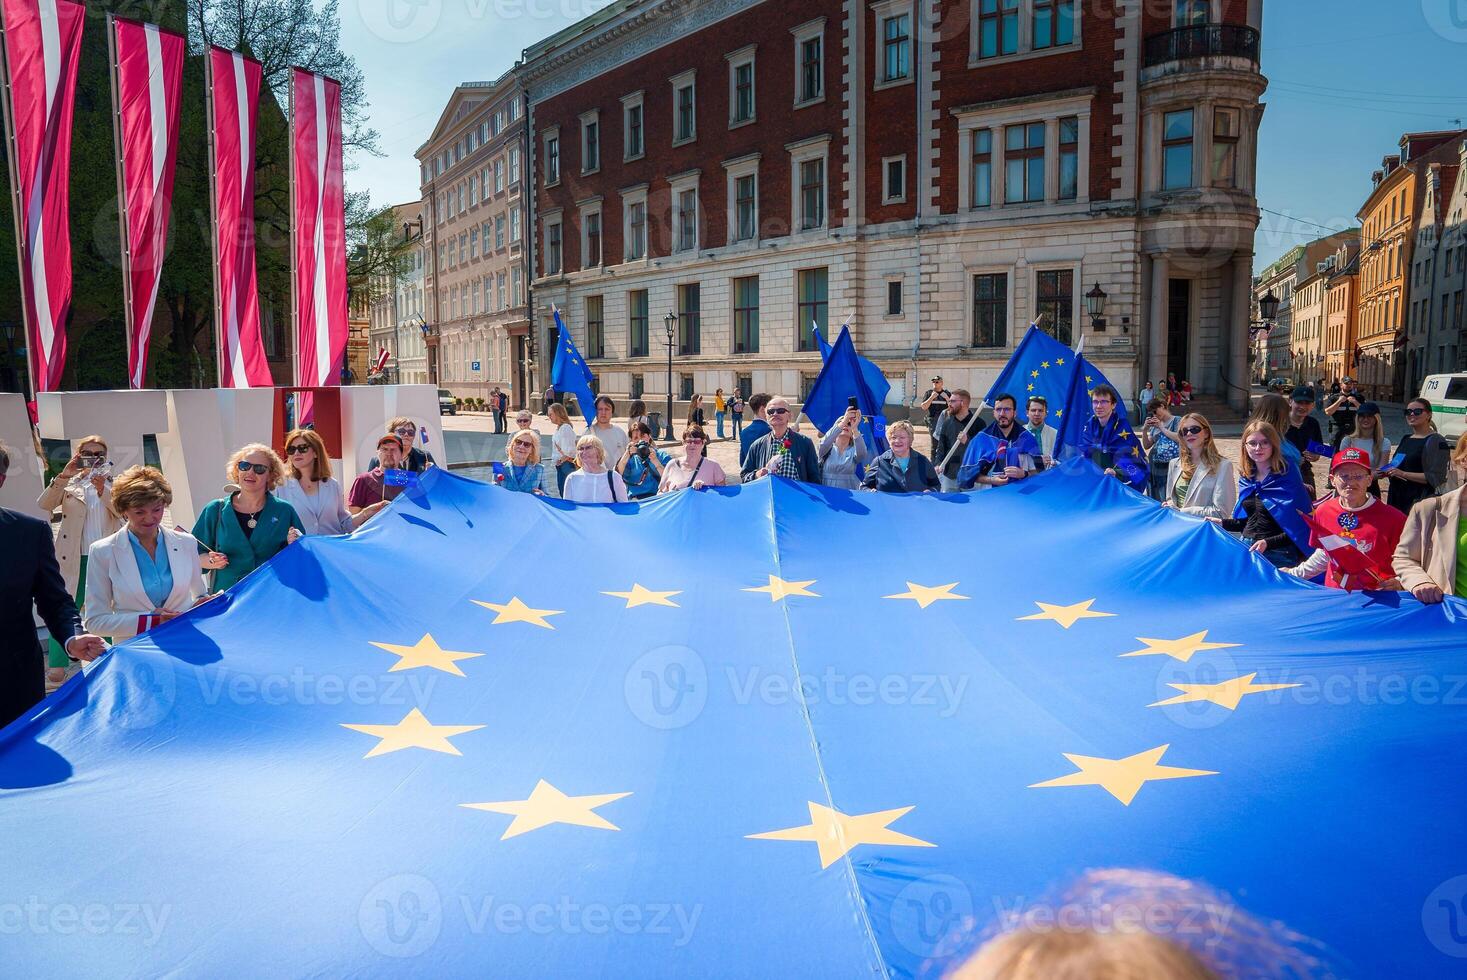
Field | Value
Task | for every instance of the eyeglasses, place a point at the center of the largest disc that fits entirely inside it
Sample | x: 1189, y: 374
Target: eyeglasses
x: 777, y: 411
x: 297, y: 450
x: 406, y: 432
x: 1190, y: 430
x: 1353, y: 476
x: 260, y: 469
x: 1415, y: 411
x: 693, y: 439
x: 522, y: 444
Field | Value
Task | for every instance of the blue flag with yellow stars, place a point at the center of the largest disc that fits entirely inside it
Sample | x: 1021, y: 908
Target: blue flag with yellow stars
x: 1040, y: 365
x: 773, y: 730
x: 1111, y: 444
x: 844, y: 375
x: 569, y: 374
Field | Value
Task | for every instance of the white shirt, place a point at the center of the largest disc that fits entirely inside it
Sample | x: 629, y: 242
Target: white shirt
x: 323, y: 512
x: 99, y: 523
x: 564, y: 442
x: 615, y: 440
x: 593, y: 488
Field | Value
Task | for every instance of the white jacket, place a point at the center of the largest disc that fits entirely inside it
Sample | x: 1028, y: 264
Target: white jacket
x: 1212, y: 493
x: 115, y: 596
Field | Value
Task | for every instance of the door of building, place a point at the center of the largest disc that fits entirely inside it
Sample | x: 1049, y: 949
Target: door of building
x: 1179, y: 317
x: 521, y: 380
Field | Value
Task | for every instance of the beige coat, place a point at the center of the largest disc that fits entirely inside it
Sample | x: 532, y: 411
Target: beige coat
x: 1212, y: 493
x: 1427, y: 552
x: 115, y: 595
x: 73, y: 504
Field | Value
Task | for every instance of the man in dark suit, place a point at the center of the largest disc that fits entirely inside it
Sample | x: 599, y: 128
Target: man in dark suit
x: 30, y: 573
x: 781, y: 451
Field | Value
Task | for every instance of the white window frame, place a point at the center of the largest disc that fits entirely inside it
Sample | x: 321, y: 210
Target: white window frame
x: 801, y: 151
x: 744, y: 166
x: 588, y: 207
x: 685, y: 181
x: 499, y: 231
x: 553, y: 133
x: 1025, y: 48
x: 685, y: 79
x: 886, y: 198
x: 630, y: 196
x: 499, y: 175
x: 803, y: 33
x: 1047, y: 111
x: 514, y: 165
x: 591, y: 117
x: 884, y: 11
x: 635, y: 100
x: 553, y: 218
x: 736, y: 60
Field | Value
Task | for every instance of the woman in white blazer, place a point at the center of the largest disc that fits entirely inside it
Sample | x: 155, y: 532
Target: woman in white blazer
x: 144, y: 574
x: 311, y: 489
x: 1199, y: 481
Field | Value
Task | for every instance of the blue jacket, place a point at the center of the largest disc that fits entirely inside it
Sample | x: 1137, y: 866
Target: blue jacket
x: 528, y: 481
x: 749, y: 435
x: 885, y: 475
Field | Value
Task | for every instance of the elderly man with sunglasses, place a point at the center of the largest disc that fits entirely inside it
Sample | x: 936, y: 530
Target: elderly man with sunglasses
x: 782, y: 451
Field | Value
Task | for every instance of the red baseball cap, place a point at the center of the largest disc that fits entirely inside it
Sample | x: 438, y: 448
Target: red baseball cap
x: 1358, y: 457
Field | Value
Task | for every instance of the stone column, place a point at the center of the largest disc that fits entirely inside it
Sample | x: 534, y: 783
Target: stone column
x: 1156, y: 321
x: 1237, y: 332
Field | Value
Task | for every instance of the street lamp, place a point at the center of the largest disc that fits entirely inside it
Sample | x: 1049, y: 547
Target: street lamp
x: 1095, y: 306
x: 1268, y: 309
x: 670, y: 323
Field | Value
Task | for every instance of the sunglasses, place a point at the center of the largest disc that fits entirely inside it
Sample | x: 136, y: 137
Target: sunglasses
x: 260, y: 469
x: 1415, y: 411
x: 777, y: 411
x: 520, y: 443
x: 692, y: 439
x: 1190, y: 430
x: 406, y: 433
x: 297, y: 450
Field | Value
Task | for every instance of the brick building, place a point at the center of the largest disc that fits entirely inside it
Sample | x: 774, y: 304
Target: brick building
x: 941, y: 173
x: 474, y: 241
x: 1439, y: 271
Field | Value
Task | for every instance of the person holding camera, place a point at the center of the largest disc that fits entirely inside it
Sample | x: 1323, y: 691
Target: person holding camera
x: 695, y: 469
x: 843, y: 452
x: 935, y: 400
x: 82, y: 492
x: 1341, y: 411
x: 1159, y: 439
x: 641, y: 463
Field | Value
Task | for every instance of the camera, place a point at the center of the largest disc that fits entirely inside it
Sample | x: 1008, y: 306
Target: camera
x: 644, y: 449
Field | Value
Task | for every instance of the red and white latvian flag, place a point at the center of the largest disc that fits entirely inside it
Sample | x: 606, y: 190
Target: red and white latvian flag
x: 381, y: 362
x: 147, y: 79
x: 318, y: 228
x: 234, y: 94
x: 1356, y: 570
x: 42, y: 49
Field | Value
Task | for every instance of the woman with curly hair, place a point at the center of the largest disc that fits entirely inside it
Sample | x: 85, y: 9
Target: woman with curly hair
x: 247, y: 527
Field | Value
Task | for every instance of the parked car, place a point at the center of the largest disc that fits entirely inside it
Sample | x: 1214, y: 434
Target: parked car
x: 446, y: 404
x: 1448, y: 396
x: 1281, y: 385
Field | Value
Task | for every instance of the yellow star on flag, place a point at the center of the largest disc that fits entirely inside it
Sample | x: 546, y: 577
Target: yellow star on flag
x: 646, y: 597
x: 425, y: 653
x: 926, y: 595
x: 1089, y: 378
x: 1059, y: 412
x: 1060, y: 361
x: 515, y: 611
x: 548, y: 805
x: 778, y: 588
x: 413, y: 732
x: 1031, y: 387
x: 1121, y: 778
x: 1067, y: 616
x: 836, y: 833
x: 1225, y: 693
x: 1044, y: 364
x: 1034, y: 374
x: 1126, y: 434
x: 1181, y: 649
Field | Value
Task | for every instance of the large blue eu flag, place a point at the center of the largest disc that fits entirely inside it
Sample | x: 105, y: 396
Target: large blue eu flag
x: 775, y: 730
x: 569, y: 373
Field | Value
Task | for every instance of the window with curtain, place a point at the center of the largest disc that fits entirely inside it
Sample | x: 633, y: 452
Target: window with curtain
x: 982, y: 186
x: 1069, y: 158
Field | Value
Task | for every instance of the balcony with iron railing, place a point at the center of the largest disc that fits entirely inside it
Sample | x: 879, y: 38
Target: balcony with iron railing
x: 1203, y: 41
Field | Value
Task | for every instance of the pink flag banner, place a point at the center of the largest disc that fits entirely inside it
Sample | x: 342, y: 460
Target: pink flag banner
x: 147, y: 82
x: 318, y: 228
x: 42, y: 50
x: 234, y: 94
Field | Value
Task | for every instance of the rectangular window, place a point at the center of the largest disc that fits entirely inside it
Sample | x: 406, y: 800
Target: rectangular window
x: 595, y: 328
x: 1224, y: 147
x: 982, y: 190
x: 1069, y: 158
x: 998, y: 28
x: 687, y: 220
x: 812, y: 194
x: 743, y: 85
x: 499, y: 173
x: 745, y: 207
x: 1176, y: 150
x: 634, y: 131
x: 1192, y: 12
x: 895, y: 180
x: 1054, y: 23
x: 499, y: 231
x: 591, y: 145
x: 896, y: 47
x: 637, y: 323
x: 686, y: 116
x: 746, y: 315
x: 593, y: 240
x: 812, y: 70
x: 514, y: 224
x: 689, y: 319
x: 637, y: 231
x: 811, y: 288
x: 894, y: 298
x: 514, y: 165
x: 685, y: 387
x: 1024, y: 163
x: 552, y: 160
x: 990, y: 310
x: 499, y: 290
x: 452, y: 251
x: 514, y: 286
x: 473, y: 243
x: 552, y: 249
x: 1055, y: 301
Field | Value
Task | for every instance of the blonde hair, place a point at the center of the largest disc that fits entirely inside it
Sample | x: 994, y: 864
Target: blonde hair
x: 140, y: 486
x: 402, y: 420
x: 1210, y: 455
x: 1377, y: 444
x: 520, y: 436
x: 902, y: 426
x: 97, y: 439
x: 1056, y: 954
x: 278, y: 473
x: 558, y: 414
x: 322, y: 465
x: 590, y: 440
x: 1245, y: 462
x: 1459, y: 453
x: 1273, y: 409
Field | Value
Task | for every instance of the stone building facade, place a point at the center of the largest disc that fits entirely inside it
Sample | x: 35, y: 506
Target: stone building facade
x: 1439, y: 273
x: 397, y: 307
x: 938, y: 174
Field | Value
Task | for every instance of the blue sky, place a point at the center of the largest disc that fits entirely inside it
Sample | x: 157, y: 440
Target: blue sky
x: 1347, y: 78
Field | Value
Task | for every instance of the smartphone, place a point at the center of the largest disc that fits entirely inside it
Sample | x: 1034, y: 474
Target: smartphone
x: 851, y: 403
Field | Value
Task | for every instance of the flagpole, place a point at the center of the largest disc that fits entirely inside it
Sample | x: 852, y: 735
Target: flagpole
x: 213, y: 165
x: 17, y: 209
x: 127, y: 311
x: 295, y: 336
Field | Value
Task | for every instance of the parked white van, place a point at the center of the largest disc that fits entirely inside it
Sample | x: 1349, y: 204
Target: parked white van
x: 1448, y: 396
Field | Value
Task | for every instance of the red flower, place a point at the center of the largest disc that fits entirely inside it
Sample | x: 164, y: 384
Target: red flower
x: 498, y: 477
x: 788, y: 442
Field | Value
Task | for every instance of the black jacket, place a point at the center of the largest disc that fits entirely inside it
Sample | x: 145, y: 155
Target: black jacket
x: 28, y: 573
x: 885, y: 475
x: 944, y: 433
x: 762, y: 450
